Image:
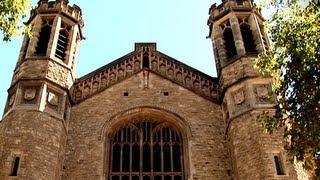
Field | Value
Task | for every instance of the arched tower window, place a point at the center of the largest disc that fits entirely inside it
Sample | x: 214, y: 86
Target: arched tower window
x: 44, y: 36
x: 229, y: 40
x: 145, y: 61
x: 63, y: 40
x: 247, y: 37
x: 146, y: 150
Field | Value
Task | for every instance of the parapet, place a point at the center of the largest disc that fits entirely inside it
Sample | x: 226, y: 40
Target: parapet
x: 45, y: 6
x: 226, y: 6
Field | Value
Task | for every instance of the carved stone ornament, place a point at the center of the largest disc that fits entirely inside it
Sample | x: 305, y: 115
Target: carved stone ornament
x: 160, y: 64
x: 30, y: 94
x: 11, y: 99
x: 53, y: 99
x: 239, y: 97
x: 262, y: 92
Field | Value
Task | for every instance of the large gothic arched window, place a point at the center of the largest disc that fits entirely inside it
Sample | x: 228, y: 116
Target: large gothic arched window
x: 146, y: 150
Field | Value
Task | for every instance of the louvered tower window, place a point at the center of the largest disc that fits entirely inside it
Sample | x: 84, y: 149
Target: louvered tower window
x: 146, y: 151
x: 229, y: 40
x: 44, y: 36
x: 247, y: 36
x: 63, y: 41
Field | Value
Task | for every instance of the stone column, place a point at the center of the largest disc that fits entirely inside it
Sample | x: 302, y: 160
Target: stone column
x: 254, y: 26
x: 54, y: 37
x: 37, y: 24
x: 218, y: 43
x: 237, y: 35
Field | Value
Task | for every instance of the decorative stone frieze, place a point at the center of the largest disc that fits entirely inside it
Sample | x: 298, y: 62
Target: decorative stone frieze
x: 160, y: 64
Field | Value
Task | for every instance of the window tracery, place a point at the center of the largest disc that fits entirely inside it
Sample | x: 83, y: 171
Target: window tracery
x: 146, y: 151
x: 229, y: 40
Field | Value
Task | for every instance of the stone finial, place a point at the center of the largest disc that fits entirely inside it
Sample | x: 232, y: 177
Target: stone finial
x: 145, y: 46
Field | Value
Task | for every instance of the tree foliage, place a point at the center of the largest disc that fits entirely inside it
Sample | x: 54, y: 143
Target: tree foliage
x: 11, y: 14
x: 294, y: 62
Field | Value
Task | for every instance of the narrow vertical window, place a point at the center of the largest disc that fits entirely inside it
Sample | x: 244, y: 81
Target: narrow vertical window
x: 15, y: 166
x: 146, y: 150
x: 44, y: 36
x: 229, y: 40
x: 145, y: 63
x: 247, y: 37
x: 279, y: 166
x: 63, y: 41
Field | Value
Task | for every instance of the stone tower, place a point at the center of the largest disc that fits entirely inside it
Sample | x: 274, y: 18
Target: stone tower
x: 34, y: 126
x: 237, y: 35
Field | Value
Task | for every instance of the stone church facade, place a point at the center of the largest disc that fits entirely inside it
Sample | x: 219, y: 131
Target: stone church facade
x: 144, y: 116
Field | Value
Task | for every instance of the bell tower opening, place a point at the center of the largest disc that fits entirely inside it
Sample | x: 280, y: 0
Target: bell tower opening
x: 63, y: 42
x: 44, y: 37
x: 247, y: 37
x: 229, y: 40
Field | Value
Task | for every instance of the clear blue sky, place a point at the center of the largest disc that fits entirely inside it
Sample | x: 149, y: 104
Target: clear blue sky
x: 112, y: 27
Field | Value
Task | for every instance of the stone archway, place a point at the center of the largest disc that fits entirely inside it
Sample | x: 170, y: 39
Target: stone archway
x: 148, y: 114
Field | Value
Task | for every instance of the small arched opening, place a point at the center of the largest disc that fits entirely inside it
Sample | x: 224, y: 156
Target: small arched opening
x: 247, y: 37
x: 229, y: 42
x: 44, y: 37
x: 145, y: 61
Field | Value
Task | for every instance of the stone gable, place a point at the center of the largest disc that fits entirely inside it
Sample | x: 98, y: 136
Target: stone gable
x: 158, y: 63
x: 95, y: 119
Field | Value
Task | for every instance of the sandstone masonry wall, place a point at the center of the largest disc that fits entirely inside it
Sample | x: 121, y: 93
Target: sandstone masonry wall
x: 38, y: 139
x: 86, y: 147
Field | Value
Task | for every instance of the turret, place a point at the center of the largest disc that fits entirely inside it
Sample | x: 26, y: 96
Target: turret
x: 236, y: 31
x: 33, y: 131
